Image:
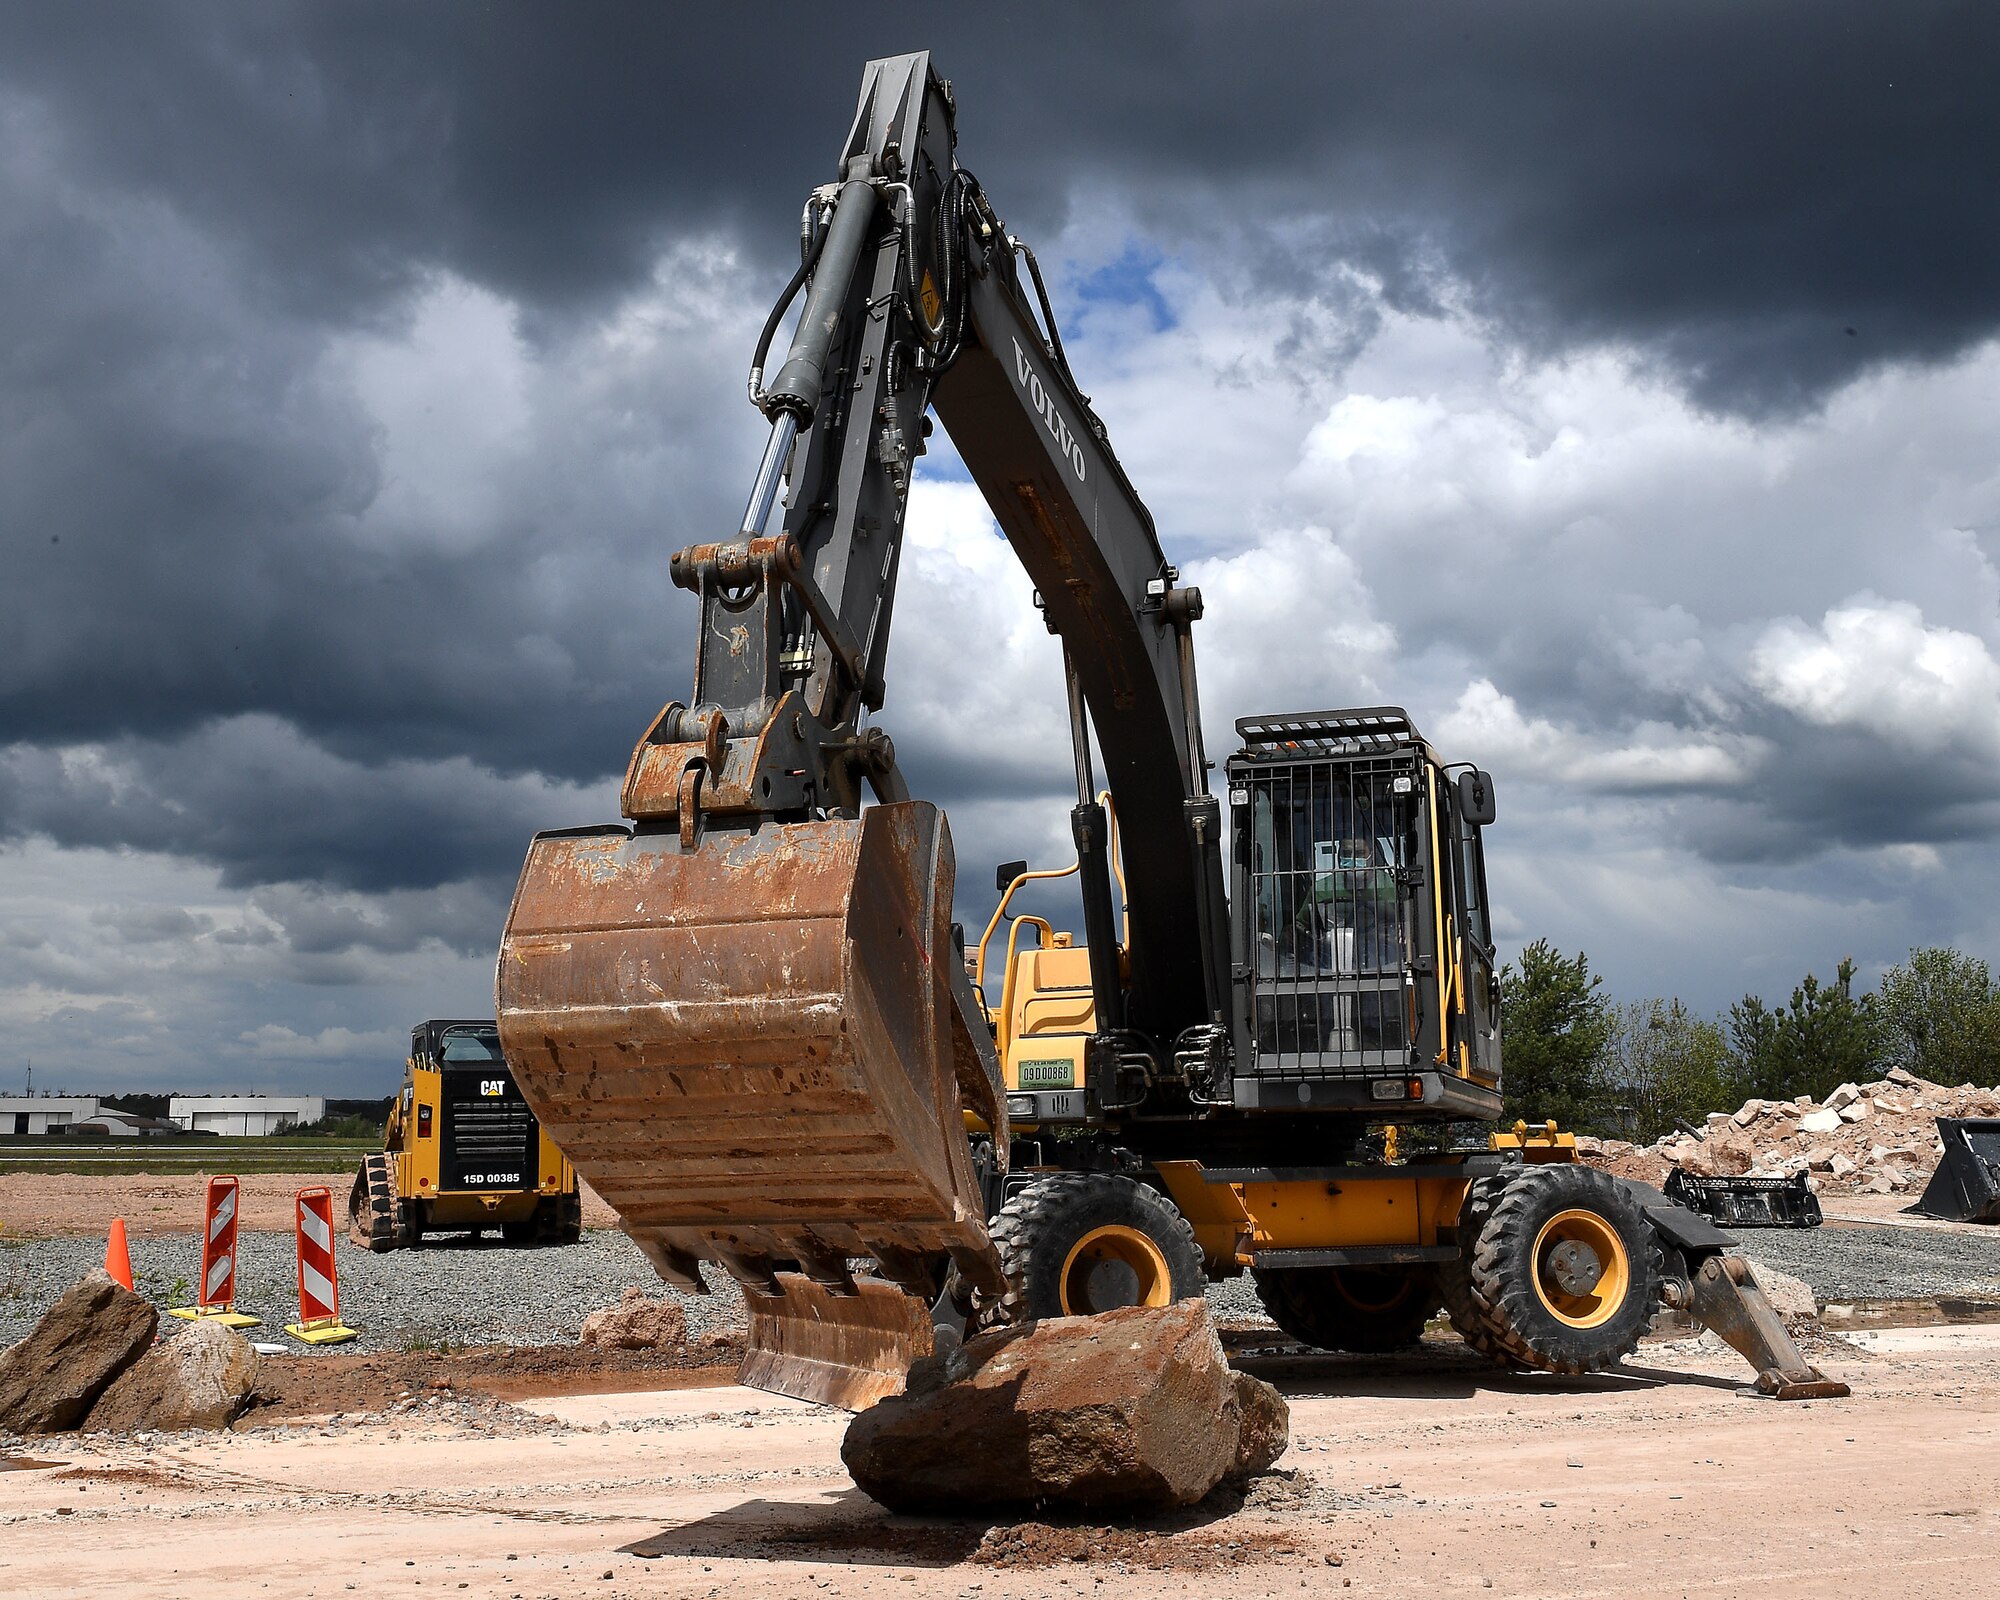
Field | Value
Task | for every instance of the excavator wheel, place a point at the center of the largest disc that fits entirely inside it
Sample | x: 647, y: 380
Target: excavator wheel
x: 1077, y: 1243
x: 1367, y: 1309
x: 1559, y: 1270
x: 372, y: 1208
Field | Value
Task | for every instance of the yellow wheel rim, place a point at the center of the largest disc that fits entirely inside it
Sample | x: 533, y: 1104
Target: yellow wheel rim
x: 1114, y: 1266
x: 1582, y: 1270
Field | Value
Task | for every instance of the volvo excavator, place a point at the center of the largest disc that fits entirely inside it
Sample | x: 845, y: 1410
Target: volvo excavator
x: 747, y: 1016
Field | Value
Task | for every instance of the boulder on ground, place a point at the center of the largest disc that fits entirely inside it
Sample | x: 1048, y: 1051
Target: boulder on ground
x: 636, y: 1323
x: 1265, y: 1432
x: 1819, y: 1121
x: 201, y: 1378
x: 1790, y: 1297
x: 50, y: 1379
x: 1134, y: 1410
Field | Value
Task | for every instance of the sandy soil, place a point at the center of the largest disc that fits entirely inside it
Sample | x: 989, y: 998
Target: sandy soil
x: 1425, y: 1475
x: 39, y: 1205
x: 322, y: 1383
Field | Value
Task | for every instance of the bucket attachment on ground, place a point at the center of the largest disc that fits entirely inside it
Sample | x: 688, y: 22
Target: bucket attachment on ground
x: 1966, y: 1185
x: 1748, y: 1202
x: 748, y: 1044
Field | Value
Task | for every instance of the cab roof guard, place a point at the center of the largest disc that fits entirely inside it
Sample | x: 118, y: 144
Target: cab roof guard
x: 1368, y: 730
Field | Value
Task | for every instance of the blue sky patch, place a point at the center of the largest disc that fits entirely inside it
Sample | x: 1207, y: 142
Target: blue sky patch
x: 1128, y: 281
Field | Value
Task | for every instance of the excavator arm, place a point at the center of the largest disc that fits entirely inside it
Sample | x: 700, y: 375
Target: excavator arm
x: 743, y: 1012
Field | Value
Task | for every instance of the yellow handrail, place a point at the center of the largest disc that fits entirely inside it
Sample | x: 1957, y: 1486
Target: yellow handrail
x: 999, y: 911
x: 1001, y: 1027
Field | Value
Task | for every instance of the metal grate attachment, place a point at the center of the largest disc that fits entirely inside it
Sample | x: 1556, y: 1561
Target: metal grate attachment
x: 1328, y: 850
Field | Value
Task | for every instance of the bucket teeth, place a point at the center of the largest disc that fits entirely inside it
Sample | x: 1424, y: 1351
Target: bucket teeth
x: 748, y: 1048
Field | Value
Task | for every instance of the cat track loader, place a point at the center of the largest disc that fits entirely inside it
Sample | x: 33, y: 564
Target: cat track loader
x: 462, y: 1152
x: 744, y: 1011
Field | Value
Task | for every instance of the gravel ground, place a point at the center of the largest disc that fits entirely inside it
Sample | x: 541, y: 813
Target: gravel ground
x: 1882, y: 1263
x: 449, y: 1292
x: 489, y: 1294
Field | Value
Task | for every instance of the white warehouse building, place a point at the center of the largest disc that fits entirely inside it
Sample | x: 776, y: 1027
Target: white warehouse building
x: 41, y: 1113
x: 243, y: 1115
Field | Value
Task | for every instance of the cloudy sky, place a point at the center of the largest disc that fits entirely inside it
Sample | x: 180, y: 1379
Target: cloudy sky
x: 1616, y: 387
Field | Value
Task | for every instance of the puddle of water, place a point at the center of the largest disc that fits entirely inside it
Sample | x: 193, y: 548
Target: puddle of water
x: 24, y: 1464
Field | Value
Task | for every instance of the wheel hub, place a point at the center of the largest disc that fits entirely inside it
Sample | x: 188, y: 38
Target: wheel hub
x: 1114, y: 1266
x: 1575, y: 1267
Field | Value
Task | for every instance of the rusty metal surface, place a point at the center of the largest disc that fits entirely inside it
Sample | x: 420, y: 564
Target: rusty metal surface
x: 747, y: 1047
x: 1727, y: 1299
x: 838, y: 1349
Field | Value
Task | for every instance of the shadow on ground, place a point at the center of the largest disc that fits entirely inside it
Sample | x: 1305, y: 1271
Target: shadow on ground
x: 850, y: 1529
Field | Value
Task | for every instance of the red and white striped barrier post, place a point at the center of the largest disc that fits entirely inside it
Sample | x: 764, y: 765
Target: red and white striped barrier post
x: 215, y: 1297
x: 319, y: 1278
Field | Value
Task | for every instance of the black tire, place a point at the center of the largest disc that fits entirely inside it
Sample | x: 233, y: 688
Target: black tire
x: 1461, y: 1304
x: 372, y: 1219
x: 525, y: 1232
x: 1559, y: 1270
x: 1366, y: 1309
x: 1076, y: 1243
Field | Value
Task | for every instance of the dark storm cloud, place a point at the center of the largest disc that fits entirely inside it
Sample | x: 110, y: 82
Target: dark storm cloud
x: 1766, y: 198
x: 198, y: 202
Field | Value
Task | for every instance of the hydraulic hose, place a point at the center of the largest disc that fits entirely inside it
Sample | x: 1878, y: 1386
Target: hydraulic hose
x: 807, y: 261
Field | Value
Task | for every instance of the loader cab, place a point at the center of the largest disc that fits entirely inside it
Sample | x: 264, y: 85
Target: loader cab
x: 1362, y: 955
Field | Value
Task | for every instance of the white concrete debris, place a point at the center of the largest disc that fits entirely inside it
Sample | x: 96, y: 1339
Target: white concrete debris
x: 1870, y: 1138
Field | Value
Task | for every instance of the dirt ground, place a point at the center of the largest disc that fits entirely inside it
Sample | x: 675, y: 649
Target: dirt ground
x: 42, y: 1205
x: 1425, y: 1474
x: 322, y: 1384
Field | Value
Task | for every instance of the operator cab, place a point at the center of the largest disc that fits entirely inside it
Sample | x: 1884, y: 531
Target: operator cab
x: 1362, y: 949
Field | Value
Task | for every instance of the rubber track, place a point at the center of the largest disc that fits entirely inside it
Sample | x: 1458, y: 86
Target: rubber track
x: 371, y: 1205
x: 560, y: 1220
x: 1024, y: 1224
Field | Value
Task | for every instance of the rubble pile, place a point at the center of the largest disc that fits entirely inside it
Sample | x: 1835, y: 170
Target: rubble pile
x: 1872, y: 1138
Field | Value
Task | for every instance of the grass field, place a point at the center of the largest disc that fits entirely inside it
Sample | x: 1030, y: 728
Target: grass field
x: 274, y: 1154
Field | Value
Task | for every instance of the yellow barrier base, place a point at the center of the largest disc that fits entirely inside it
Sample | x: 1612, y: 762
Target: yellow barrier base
x: 322, y: 1332
x: 231, y: 1318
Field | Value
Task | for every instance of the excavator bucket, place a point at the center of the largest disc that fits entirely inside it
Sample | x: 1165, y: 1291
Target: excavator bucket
x: 747, y: 1044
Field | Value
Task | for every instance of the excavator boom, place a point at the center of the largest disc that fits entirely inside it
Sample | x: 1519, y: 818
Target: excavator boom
x: 743, y: 1013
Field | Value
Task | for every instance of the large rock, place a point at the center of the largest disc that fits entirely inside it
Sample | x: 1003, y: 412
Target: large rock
x: 1133, y: 1410
x: 201, y: 1378
x: 1792, y: 1298
x: 87, y: 1338
x: 636, y: 1323
x: 1264, y: 1433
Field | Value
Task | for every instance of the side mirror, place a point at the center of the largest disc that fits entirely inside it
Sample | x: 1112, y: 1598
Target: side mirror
x: 1006, y: 873
x: 1475, y: 798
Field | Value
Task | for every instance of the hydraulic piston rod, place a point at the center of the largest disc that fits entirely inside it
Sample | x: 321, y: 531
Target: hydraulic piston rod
x: 770, y: 473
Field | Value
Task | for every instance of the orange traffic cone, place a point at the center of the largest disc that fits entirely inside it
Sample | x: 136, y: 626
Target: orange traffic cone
x: 118, y: 1259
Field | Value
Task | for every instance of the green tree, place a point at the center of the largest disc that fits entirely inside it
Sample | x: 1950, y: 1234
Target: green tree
x: 1941, y: 1017
x: 1825, y: 1037
x: 1554, y: 1026
x: 1666, y: 1066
